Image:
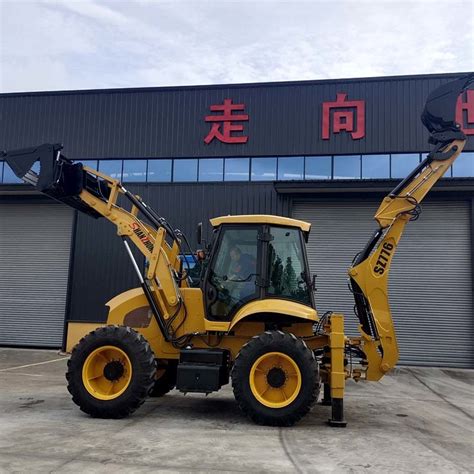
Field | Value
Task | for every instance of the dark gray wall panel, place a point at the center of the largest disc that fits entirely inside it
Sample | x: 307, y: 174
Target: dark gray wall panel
x: 101, y: 268
x: 285, y: 119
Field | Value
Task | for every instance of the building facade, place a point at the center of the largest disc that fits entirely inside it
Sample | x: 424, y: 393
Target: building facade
x: 323, y: 151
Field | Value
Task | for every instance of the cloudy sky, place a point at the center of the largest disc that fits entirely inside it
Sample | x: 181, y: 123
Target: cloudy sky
x: 84, y: 44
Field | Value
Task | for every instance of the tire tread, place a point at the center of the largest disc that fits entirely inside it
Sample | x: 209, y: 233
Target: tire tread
x: 276, y: 340
x: 140, y: 385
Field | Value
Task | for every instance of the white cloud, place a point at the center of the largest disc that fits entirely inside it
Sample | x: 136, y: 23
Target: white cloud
x: 47, y: 45
x: 93, y: 10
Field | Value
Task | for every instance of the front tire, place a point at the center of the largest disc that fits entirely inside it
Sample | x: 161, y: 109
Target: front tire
x: 110, y: 372
x: 275, y: 379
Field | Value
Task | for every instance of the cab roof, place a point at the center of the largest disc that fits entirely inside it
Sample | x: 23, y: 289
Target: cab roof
x: 261, y: 219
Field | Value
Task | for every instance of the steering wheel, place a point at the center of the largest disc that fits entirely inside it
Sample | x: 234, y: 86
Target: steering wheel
x: 211, y: 294
x: 215, y: 290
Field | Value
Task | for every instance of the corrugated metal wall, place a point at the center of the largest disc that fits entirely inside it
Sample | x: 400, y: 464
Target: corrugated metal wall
x: 284, y: 119
x: 430, y: 281
x: 101, y: 266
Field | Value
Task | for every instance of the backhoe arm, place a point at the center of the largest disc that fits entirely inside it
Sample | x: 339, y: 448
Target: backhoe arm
x: 369, y: 276
x: 370, y: 270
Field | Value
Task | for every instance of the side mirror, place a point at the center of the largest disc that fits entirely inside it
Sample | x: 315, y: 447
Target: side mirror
x: 199, y: 233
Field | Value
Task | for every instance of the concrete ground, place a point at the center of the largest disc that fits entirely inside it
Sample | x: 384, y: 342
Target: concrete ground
x: 416, y: 420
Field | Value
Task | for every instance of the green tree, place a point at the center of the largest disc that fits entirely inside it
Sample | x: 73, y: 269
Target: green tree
x: 276, y: 276
x: 289, y: 278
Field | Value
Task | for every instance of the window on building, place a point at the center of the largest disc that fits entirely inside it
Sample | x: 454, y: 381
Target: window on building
x: 159, y: 171
x: 237, y: 169
x: 211, y: 169
x: 402, y: 164
x: 347, y: 167
x: 264, y: 169
x: 90, y: 163
x: 113, y: 168
x: 375, y: 166
x: 36, y: 167
x: 9, y: 177
x: 317, y: 167
x: 134, y: 171
x: 464, y: 165
x: 290, y: 167
x: 185, y: 170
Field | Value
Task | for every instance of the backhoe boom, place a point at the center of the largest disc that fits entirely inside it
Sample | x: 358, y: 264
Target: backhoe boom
x: 369, y: 274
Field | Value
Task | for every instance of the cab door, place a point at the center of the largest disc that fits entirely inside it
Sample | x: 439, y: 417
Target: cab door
x: 233, y: 273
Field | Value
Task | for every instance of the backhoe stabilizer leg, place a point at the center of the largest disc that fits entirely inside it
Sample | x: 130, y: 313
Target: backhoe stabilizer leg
x: 338, y: 373
x: 326, y: 401
x: 337, y: 414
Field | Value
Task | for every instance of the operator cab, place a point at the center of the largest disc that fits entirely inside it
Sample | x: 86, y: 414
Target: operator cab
x: 253, y: 258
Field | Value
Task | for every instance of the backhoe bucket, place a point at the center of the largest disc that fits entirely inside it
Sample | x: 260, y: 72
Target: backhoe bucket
x: 58, y: 177
x: 439, y: 114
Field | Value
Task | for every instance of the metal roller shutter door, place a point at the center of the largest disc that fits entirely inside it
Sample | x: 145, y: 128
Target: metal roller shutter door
x: 430, y: 282
x: 35, y: 242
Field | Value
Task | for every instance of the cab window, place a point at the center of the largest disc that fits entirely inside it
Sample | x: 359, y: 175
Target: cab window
x: 233, y: 272
x: 287, y: 278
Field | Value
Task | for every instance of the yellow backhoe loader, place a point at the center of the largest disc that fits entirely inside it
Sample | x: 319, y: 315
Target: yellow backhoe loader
x: 252, y: 319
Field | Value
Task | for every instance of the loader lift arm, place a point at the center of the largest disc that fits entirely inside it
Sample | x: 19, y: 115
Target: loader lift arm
x: 97, y: 194
x: 368, y: 275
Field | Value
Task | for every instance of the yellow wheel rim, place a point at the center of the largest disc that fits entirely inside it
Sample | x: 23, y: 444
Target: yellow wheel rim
x: 275, y: 380
x: 107, y: 372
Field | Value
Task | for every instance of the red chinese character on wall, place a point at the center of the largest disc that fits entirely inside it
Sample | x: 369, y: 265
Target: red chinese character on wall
x: 468, y: 107
x: 349, y: 118
x: 223, y: 128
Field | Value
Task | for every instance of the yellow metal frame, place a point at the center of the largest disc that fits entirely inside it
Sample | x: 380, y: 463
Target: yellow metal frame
x: 261, y: 219
x: 336, y: 367
x: 270, y: 305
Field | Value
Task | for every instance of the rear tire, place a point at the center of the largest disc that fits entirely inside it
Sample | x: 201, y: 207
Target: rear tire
x: 110, y: 372
x: 275, y: 379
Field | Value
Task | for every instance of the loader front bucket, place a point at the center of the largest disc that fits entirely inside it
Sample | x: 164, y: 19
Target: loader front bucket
x: 59, y: 177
